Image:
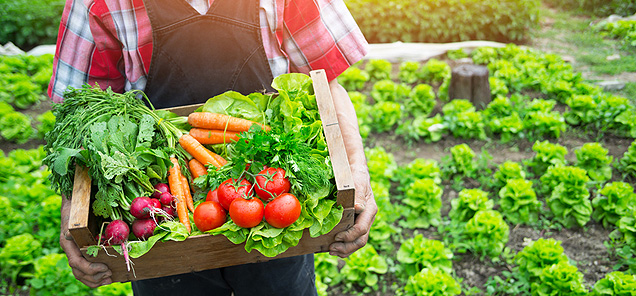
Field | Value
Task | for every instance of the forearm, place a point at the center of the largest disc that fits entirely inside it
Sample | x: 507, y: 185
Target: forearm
x: 348, y: 122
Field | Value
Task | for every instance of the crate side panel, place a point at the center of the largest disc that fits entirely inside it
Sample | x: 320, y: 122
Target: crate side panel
x: 333, y: 136
x: 205, y: 252
x: 80, y: 208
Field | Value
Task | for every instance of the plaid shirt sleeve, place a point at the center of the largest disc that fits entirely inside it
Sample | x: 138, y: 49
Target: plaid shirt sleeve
x: 319, y: 34
x: 78, y: 60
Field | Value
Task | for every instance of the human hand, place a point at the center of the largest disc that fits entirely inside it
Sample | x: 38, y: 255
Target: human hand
x: 90, y: 273
x: 354, y: 238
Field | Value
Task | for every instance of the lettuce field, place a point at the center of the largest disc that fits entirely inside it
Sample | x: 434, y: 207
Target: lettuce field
x: 532, y: 194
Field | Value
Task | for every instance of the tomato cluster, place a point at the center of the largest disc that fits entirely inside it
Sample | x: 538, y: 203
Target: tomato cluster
x: 236, y: 197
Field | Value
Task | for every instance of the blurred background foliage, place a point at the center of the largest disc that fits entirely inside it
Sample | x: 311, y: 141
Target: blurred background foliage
x: 28, y: 23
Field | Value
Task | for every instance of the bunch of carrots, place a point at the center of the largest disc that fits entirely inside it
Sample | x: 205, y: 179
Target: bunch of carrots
x: 207, y: 128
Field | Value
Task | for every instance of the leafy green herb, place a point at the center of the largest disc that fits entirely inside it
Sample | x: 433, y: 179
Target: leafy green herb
x: 408, y: 71
x: 627, y: 164
x: 423, y: 200
x: 486, y: 233
x: 547, y: 154
x: 593, y: 158
x: 519, y: 202
x: 379, y: 69
x: 469, y: 202
x: 462, y: 161
x: 429, y: 129
x: 507, y: 171
x: 432, y: 282
x: 560, y: 279
x: 615, y: 283
x: 615, y: 200
x: 419, y: 253
x: 16, y: 127
x: 569, y: 197
x: 435, y: 71
x: 18, y: 255
x: 419, y: 168
x: 353, y: 78
x: 306, y: 172
x: 53, y: 276
x: 538, y: 255
x: 421, y: 100
x: 363, y: 268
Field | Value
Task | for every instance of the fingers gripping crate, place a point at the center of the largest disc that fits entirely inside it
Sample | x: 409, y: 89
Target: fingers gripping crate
x: 208, y: 251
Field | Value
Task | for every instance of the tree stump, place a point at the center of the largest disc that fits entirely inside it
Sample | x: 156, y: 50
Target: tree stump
x: 470, y: 82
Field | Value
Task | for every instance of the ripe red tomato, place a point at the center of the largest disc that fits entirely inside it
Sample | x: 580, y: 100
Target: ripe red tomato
x: 247, y: 213
x: 270, y: 183
x: 230, y: 189
x: 213, y: 195
x: 282, y: 211
x: 209, y: 215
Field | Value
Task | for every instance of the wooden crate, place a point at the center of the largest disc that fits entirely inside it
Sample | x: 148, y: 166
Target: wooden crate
x: 207, y: 251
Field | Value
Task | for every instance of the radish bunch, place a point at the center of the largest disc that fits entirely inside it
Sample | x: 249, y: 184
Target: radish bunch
x: 144, y: 209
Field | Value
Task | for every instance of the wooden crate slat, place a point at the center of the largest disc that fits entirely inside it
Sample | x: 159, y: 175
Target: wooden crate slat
x: 80, y: 208
x: 205, y: 252
x: 333, y: 135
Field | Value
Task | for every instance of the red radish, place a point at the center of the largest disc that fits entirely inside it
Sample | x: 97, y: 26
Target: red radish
x: 160, y: 188
x: 141, y: 207
x: 143, y: 228
x: 155, y: 203
x: 169, y: 210
x: 166, y: 198
x: 116, y: 233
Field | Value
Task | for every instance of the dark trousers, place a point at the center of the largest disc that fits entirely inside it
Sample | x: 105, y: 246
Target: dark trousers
x: 292, y: 276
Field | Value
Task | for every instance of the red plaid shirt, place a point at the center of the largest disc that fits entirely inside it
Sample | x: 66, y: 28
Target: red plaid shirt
x: 109, y: 42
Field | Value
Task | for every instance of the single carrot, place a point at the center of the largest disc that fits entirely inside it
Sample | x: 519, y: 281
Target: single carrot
x: 200, y: 153
x: 209, y: 120
x: 219, y: 159
x: 196, y: 168
x: 177, y: 191
x: 187, y: 193
x: 207, y: 136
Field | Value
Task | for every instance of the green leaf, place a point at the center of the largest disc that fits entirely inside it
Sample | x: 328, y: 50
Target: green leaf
x: 65, y: 155
x: 234, y: 104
